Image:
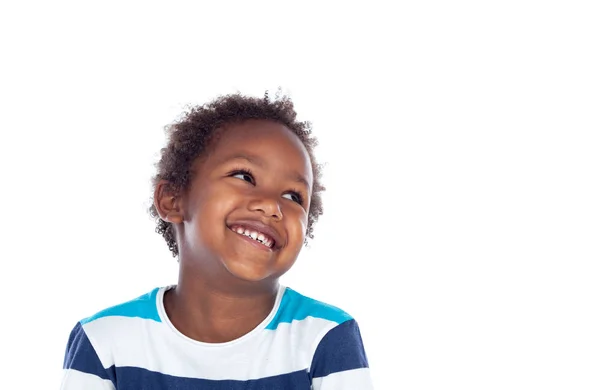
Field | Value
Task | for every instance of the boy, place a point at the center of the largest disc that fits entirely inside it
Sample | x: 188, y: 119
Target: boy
x: 236, y: 194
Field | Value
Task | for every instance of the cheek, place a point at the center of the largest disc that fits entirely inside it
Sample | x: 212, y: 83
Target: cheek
x: 297, y: 224
x: 216, y: 207
x: 211, y: 207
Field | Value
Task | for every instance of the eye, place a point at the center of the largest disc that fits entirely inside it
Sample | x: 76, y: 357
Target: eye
x: 243, y: 175
x: 294, y: 197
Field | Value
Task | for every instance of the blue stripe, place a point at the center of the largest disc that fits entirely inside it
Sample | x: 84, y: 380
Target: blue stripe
x: 341, y: 349
x: 135, y: 378
x: 81, y: 355
x: 142, y: 307
x: 295, y: 306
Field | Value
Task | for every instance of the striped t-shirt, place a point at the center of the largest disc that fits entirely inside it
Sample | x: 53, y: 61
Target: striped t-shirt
x: 302, y: 344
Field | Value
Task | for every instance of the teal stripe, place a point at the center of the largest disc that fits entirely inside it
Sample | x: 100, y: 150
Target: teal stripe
x: 296, y: 307
x: 142, y: 307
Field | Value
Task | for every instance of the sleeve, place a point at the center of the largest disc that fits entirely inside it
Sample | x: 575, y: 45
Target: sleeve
x: 82, y: 368
x: 340, y: 362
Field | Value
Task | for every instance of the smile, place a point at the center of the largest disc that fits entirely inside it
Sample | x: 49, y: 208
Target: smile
x: 256, y: 235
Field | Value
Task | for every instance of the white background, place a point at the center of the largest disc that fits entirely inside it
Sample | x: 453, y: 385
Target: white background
x: 462, y: 216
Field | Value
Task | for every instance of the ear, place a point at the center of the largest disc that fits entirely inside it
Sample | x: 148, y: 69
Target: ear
x: 168, y: 204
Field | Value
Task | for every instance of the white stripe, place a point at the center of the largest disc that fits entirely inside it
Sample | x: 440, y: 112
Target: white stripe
x: 77, y: 380
x: 137, y: 342
x: 358, y: 379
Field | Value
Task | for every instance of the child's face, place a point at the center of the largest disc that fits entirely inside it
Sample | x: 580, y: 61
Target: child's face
x: 256, y: 181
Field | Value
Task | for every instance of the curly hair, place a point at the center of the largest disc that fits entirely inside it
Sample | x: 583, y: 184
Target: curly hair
x: 191, y: 135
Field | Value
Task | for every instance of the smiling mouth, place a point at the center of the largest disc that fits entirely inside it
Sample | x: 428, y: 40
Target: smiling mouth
x: 254, y: 234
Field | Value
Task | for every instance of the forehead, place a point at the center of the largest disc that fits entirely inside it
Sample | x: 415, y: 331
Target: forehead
x: 274, y: 144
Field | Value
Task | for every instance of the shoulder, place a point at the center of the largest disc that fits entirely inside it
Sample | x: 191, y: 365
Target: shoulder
x: 143, y: 307
x: 295, y: 307
x: 312, y: 324
x: 124, y: 320
x: 336, y: 348
x: 128, y: 323
x: 94, y: 340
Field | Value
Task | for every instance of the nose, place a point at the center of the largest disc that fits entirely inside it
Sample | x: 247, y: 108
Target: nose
x: 266, y: 205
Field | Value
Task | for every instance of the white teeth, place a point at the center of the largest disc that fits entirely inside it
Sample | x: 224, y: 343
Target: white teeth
x: 255, y: 236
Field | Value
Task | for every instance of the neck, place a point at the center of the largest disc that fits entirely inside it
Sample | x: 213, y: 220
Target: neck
x: 214, y: 310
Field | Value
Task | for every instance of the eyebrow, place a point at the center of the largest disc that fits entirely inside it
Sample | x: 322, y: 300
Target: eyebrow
x: 257, y: 160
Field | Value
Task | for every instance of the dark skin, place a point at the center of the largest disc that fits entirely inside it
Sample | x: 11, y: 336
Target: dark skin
x: 255, y: 178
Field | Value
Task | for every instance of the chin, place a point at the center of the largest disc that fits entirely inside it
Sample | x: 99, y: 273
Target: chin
x: 248, y: 273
